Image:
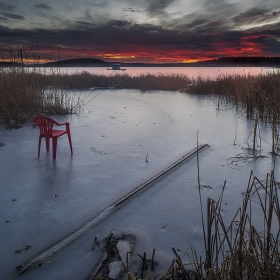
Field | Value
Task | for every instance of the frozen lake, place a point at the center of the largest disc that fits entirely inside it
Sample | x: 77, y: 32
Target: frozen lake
x: 120, y: 139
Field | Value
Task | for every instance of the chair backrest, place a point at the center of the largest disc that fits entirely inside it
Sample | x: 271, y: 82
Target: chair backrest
x: 45, y: 124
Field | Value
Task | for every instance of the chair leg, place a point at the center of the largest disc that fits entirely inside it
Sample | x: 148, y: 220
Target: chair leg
x: 70, y: 142
x: 39, y: 145
x: 54, y: 143
x: 47, y: 143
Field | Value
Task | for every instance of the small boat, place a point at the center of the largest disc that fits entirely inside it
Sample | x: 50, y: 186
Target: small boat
x: 116, y: 66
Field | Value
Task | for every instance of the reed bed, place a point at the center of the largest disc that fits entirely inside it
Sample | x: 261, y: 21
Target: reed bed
x: 245, y: 247
x: 248, y: 248
x: 144, y: 82
x: 257, y: 96
x: 23, y: 93
x: 20, y: 96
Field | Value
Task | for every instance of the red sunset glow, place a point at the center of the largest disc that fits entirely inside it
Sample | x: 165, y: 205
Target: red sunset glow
x: 156, y: 32
x: 246, y: 46
x: 221, y: 49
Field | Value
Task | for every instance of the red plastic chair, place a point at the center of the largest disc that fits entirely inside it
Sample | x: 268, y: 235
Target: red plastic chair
x: 46, y: 130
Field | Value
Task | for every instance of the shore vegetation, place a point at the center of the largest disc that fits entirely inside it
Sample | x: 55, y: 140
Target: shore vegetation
x: 247, y: 247
x: 24, y: 94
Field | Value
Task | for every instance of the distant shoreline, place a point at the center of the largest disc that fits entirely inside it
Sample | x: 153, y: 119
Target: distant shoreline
x: 221, y: 62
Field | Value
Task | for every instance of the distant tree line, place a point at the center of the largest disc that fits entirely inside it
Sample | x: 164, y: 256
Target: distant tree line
x: 76, y: 62
x: 251, y: 60
x: 94, y: 62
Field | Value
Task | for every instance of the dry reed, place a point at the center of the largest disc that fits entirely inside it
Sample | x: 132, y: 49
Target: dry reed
x: 257, y: 95
x: 24, y: 95
x: 246, y: 248
x: 22, y: 91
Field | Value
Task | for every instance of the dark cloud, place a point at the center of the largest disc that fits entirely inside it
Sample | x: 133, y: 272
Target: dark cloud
x: 270, y: 16
x: 256, y: 16
x: 12, y: 16
x: 215, y: 24
x: 42, y: 6
x: 200, y: 38
x: 196, y: 24
x: 133, y: 10
x: 119, y: 23
x: 101, y: 5
x: 201, y: 24
x: 157, y: 7
x: 5, y: 7
x: 208, y: 28
x: 117, y: 38
x: 83, y: 24
x: 250, y: 16
x: 219, y: 9
x: 3, y: 19
x: 209, y: 18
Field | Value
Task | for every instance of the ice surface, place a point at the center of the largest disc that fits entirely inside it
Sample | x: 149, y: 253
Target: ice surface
x: 44, y: 200
x: 115, y: 269
x: 123, y: 248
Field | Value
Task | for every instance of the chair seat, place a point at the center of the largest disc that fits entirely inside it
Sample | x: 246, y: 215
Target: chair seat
x: 57, y: 133
x: 54, y: 133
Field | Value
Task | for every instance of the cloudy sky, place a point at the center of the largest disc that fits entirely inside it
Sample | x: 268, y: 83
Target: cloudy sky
x: 140, y: 30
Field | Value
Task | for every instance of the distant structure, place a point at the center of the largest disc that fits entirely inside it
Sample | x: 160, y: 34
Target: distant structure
x: 116, y: 66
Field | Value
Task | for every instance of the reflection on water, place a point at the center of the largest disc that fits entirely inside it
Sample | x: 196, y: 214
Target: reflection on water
x: 192, y: 72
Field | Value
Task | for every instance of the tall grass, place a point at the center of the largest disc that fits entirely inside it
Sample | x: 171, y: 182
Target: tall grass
x: 247, y: 248
x: 144, y: 82
x: 23, y: 93
x: 255, y: 95
x: 20, y: 96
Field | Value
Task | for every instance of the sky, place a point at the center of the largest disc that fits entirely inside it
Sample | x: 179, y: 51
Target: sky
x: 152, y: 31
